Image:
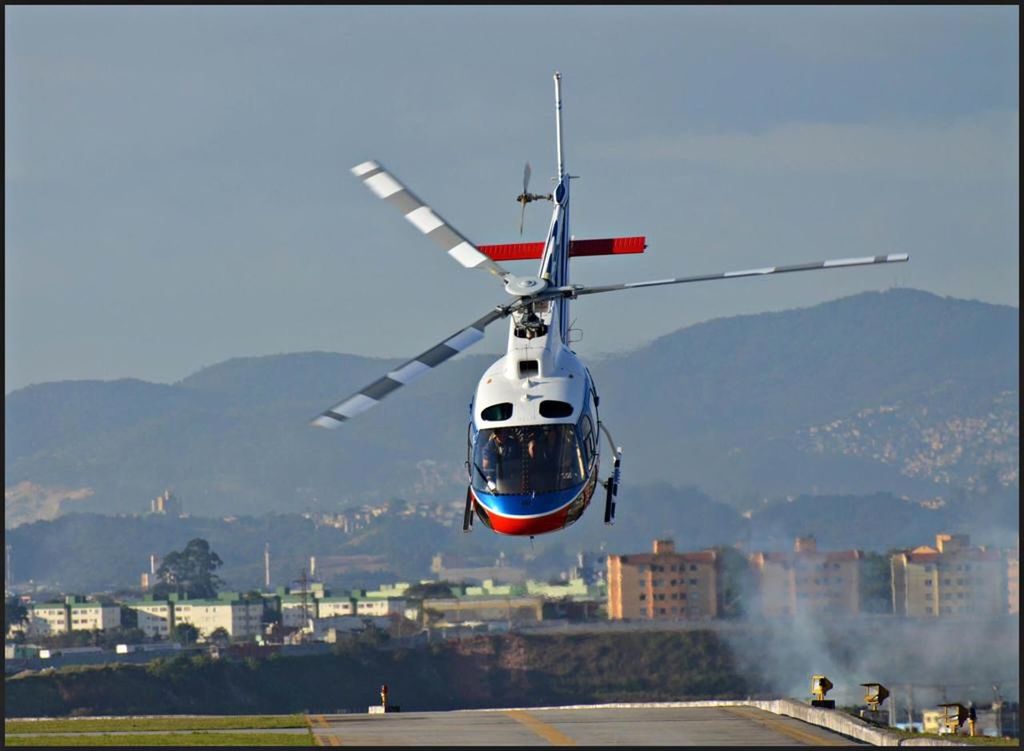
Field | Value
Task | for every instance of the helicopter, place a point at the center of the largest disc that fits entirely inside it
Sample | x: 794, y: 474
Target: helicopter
x: 533, y: 434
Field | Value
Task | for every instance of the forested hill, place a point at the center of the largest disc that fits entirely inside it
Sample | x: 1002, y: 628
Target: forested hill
x: 901, y: 391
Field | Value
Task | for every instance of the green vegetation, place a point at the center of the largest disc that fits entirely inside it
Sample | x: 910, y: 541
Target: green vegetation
x: 978, y: 740
x: 189, y: 572
x: 165, y: 739
x: 14, y: 612
x: 482, y: 671
x: 736, y: 580
x: 125, y: 724
x: 876, y: 583
x: 185, y: 634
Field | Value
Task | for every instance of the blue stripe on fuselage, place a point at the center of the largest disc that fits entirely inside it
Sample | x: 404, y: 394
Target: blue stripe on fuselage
x: 540, y: 504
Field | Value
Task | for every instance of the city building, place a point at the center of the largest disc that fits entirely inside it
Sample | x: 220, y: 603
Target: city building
x: 238, y: 617
x: 591, y: 567
x: 89, y: 616
x: 154, y: 617
x: 48, y: 619
x: 332, y: 606
x: 167, y: 503
x: 663, y: 584
x: 74, y: 614
x: 449, y: 567
x: 332, y: 630
x: 806, y: 581
x: 952, y: 578
x: 380, y: 606
x: 510, y: 609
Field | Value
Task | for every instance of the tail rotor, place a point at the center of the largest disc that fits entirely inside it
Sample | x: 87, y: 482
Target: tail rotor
x: 526, y: 196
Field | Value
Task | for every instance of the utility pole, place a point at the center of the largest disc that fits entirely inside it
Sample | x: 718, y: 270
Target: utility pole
x: 305, y: 611
x: 997, y: 709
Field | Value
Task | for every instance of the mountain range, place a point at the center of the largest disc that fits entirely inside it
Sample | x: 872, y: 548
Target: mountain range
x: 902, y: 392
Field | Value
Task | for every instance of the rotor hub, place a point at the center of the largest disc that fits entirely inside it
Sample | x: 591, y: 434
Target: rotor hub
x: 524, y: 286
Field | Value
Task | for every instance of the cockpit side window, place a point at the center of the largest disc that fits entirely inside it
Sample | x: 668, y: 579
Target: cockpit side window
x: 554, y: 409
x: 497, y: 412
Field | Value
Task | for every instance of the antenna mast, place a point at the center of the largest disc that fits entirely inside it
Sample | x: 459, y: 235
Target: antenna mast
x: 558, y: 122
x: 266, y: 566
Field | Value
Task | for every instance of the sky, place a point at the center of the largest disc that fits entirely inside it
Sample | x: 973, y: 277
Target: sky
x: 177, y: 188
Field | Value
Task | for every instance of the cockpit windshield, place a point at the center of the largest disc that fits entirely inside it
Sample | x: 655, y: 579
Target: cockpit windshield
x: 527, y: 459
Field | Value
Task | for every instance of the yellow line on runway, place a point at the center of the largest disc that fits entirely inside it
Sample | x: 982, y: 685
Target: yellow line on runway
x: 553, y: 736
x: 772, y: 722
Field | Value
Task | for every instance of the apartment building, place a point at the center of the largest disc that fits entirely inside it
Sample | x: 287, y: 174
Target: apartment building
x: 663, y: 584
x: 47, y: 619
x: 806, y: 581
x: 237, y: 617
x: 951, y: 578
x: 74, y: 614
x: 87, y: 616
x: 154, y: 617
x: 329, y: 607
x: 297, y: 610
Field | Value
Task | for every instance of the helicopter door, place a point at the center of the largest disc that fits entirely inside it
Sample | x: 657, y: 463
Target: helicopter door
x: 588, y: 441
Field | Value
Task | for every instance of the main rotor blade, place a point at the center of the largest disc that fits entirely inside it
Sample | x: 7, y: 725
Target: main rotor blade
x: 813, y: 266
x: 526, y: 178
x: 422, y: 217
x: 408, y: 372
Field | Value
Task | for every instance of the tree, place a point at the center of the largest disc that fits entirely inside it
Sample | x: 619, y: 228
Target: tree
x: 129, y: 617
x: 735, y: 584
x: 186, y: 633
x: 15, y: 613
x: 876, y: 583
x: 426, y: 590
x: 189, y: 572
x: 220, y: 636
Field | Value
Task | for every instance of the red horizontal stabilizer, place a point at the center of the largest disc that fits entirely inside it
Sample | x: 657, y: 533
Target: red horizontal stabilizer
x: 602, y: 247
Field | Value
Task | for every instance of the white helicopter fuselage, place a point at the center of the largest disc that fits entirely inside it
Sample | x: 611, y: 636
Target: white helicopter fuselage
x: 541, y: 398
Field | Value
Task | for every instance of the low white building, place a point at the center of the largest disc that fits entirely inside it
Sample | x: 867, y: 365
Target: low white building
x: 329, y: 629
x: 328, y: 607
x: 380, y: 606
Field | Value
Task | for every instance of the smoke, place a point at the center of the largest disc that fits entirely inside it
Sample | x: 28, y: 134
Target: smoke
x: 923, y: 661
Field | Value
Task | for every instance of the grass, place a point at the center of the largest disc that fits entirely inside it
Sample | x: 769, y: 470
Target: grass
x: 164, y: 739
x: 978, y: 740
x: 107, y: 724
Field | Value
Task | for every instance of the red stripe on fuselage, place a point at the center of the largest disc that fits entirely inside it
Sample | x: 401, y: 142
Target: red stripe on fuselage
x: 536, y: 525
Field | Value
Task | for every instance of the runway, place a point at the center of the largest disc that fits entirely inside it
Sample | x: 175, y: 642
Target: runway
x: 616, y: 725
